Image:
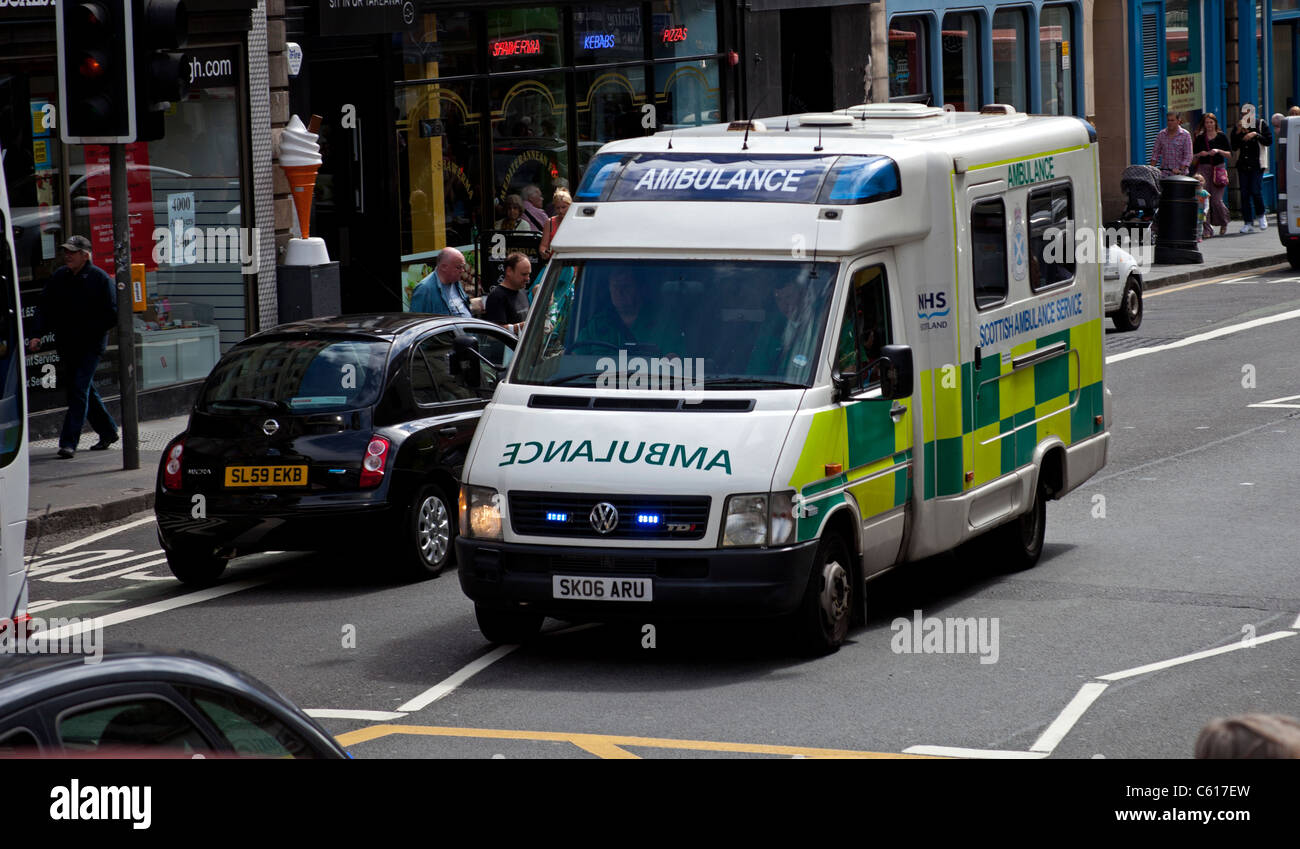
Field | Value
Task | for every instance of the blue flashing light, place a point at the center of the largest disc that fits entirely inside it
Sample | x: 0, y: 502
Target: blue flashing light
x: 647, y: 518
x: 862, y: 179
x: 557, y: 517
x: 600, y: 171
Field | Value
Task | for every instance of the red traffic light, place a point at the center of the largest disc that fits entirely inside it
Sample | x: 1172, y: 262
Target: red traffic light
x: 92, y: 66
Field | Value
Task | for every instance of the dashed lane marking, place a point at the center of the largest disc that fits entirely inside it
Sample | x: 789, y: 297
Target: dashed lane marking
x: 608, y: 745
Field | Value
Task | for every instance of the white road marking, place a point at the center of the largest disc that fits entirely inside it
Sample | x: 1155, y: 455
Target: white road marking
x: 155, y: 607
x: 1188, y: 658
x: 48, y: 603
x: 958, y: 752
x: 376, y: 715
x: 1279, y: 403
x: 130, y: 572
x: 1297, y: 622
x: 1049, y: 739
x: 460, y: 676
x: 1245, y: 483
x: 97, y: 537
x: 1204, y: 337
x: 44, y: 567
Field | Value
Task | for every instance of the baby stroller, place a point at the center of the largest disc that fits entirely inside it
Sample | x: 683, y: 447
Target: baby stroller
x: 1141, y: 187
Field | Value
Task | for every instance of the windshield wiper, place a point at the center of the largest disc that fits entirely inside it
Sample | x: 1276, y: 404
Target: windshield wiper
x: 260, y: 403
x: 568, y: 378
x: 751, y: 381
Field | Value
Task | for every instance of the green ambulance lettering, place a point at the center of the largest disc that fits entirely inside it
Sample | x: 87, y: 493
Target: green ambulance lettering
x: 512, y: 450
x: 1033, y: 171
x: 562, y: 453
x: 679, y: 451
x: 610, y: 455
x: 658, y: 454
x: 723, y: 459
x: 622, y: 452
x: 655, y: 456
x: 584, y: 450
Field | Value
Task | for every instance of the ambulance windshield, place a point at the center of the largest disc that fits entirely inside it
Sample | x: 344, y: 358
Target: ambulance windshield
x: 677, y: 324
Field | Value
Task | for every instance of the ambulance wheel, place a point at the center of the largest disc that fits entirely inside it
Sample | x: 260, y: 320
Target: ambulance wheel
x: 507, y: 626
x: 827, y: 609
x: 1293, y: 256
x: 197, y: 570
x: 1129, y: 314
x: 1019, y: 543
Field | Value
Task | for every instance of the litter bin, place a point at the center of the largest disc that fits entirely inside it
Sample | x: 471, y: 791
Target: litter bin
x: 1176, y: 222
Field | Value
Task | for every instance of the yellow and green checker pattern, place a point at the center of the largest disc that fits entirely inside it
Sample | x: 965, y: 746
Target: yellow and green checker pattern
x: 991, y: 420
x: 874, y: 451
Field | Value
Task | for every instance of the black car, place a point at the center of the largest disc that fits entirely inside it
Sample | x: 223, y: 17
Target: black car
x: 135, y: 702
x: 329, y: 434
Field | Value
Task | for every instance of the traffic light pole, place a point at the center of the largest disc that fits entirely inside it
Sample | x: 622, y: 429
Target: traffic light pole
x: 125, y: 316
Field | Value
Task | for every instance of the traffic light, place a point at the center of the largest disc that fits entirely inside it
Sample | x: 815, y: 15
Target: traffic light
x: 96, y: 71
x: 162, y: 72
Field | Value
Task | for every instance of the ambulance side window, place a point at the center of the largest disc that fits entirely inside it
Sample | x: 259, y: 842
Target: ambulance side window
x: 988, y: 237
x: 1051, y: 236
x: 865, y: 328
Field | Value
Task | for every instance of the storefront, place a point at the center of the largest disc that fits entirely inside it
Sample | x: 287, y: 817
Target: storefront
x: 1027, y: 55
x: 189, y: 194
x: 482, y: 105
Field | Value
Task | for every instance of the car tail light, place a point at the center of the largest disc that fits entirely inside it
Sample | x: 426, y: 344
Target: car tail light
x: 372, y: 466
x: 172, y: 467
x: 20, y: 626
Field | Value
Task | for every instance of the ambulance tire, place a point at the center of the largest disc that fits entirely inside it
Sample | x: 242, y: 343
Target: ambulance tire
x: 507, y: 626
x: 1019, y: 543
x: 827, y: 609
x: 196, y: 570
x: 1129, y: 314
x: 1293, y: 256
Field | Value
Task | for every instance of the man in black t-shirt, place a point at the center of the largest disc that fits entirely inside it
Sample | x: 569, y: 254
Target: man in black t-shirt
x: 507, y: 304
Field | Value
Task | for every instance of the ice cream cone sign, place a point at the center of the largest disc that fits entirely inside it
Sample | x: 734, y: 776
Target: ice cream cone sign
x: 300, y: 158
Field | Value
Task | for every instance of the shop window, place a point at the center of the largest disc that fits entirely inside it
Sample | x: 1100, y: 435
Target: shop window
x: 1051, y: 236
x: 680, y: 28
x: 606, y: 33
x: 909, y: 59
x: 988, y: 236
x: 33, y: 171
x: 445, y: 45
x: 609, y: 107
x: 961, y: 76
x: 439, y: 197
x: 1183, y: 78
x: 686, y: 94
x: 1010, y: 58
x: 1056, y: 52
x: 523, y: 39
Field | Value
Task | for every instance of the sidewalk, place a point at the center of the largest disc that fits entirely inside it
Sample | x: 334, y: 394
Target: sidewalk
x: 1229, y: 254
x: 92, y: 488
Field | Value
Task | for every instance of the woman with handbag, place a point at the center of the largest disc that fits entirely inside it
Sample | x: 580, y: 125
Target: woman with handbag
x: 1249, y: 138
x: 1210, y: 152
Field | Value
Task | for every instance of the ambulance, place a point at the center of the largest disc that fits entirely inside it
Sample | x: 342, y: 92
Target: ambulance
x: 772, y: 360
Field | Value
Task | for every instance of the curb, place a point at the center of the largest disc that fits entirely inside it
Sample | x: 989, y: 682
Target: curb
x: 1200, y: 271
x: 77, y: 516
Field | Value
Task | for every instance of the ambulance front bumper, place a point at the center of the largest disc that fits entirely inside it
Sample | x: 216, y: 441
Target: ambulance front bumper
x: 698, y: 583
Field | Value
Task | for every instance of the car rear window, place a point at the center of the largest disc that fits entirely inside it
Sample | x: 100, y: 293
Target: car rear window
x: 300, y: 375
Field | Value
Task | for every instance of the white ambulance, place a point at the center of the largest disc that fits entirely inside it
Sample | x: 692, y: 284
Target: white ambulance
x: 771, y: 361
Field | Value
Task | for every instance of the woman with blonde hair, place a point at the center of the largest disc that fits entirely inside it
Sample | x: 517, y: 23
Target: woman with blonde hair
x: 1210, y: 152
x: 560, y: 202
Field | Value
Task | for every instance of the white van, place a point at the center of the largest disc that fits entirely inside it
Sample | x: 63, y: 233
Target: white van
x: 770, y: 362
x: 13, y: 431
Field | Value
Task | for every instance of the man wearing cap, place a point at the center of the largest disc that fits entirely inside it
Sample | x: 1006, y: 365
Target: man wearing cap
x: 79, y: 306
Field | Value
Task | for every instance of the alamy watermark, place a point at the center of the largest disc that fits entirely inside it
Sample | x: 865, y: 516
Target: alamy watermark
x: 1087, y: 245
x: 950, y: 635
x: 180, y: 245
x: 668, y: 374
x: 54, y: 636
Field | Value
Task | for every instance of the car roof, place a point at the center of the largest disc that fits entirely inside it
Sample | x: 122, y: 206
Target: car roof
x: 378, y: 326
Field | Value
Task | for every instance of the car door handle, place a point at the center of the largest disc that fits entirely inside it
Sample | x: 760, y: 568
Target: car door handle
x: 448, y: 431
x: 896, y: 412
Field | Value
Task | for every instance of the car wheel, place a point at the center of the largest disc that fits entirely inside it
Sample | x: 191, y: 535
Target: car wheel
x: 507, y: 626
x: 426, y: 545
x: 1293, y: 256
x: 1018, y: 544
x: 197, y: 570
x: 1129, y: 314
x: 823, y: 618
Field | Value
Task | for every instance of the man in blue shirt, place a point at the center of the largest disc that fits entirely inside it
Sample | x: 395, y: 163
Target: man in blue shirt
x: 79, y: 306
x: 441, y: 293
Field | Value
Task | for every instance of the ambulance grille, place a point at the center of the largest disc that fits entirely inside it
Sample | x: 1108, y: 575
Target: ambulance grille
x: 640, y: 517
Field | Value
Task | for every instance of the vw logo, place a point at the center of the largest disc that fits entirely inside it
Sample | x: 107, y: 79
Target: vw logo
x: 604, y: 517
x: 270, y: 426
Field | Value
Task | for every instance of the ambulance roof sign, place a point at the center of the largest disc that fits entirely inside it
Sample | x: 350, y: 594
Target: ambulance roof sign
x: 772, y: 178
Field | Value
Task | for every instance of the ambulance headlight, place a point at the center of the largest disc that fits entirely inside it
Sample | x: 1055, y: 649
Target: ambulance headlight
x: 783, y: 519
x: 745, y: 521
x: 480, y: 512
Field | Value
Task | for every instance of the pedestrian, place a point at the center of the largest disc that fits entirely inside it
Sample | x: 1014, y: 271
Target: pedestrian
x: 1251, y: 735
x: 79, y: 306
x: 514, y: 216
x: 1210, y: 152
x: 1203, y: 229
x: 560, y: 202
x: 1294, y: 110
x: 441, y: 293
x: 507, y: 303
x: 1249, y: 138
x: 1172, y: 152
x: 533, y: 212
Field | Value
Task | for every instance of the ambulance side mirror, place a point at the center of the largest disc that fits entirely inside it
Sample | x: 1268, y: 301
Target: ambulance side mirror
x: 896, y: 371
x: 465, y: 359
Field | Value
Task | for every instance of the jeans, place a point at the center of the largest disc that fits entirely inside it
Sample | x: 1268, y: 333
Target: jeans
x: 1252, y: 193
x: 76, y: 374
